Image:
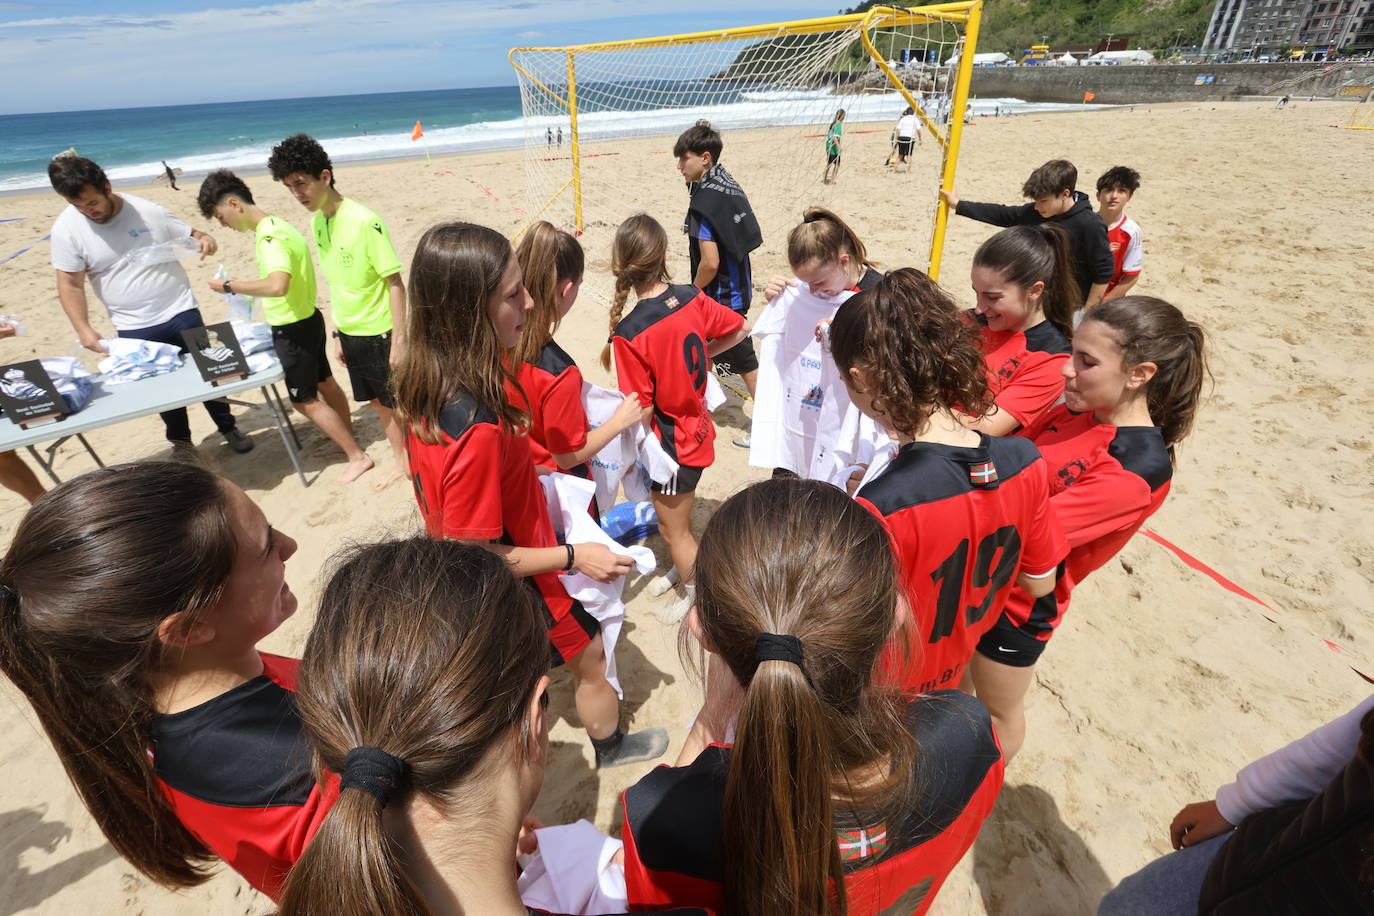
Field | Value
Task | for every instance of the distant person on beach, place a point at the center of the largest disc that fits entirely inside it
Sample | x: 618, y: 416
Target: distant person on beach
x: 1282, y: 103
x: 90, y: 241
x: 832, y: 147
x: 548, y: 135
x: 1115, y: 189
x: 807, y: 786
x: 171, y: 175
x: 286, y: 287
x: 367, y: 294
x: 132, y: 600
x: 908, y: 129
x: 721, y: 230
x: 560, y: 137
x: 1054, y: 199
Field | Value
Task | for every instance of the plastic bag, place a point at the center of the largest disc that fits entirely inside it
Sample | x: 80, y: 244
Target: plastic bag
x: 163, y: 252
x: 71, y: 380
x: 14, y: 323
x: 254, y: 337
x: 240, y: 307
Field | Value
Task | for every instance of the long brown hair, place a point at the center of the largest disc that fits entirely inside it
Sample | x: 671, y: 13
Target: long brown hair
x: 639, y: 257
x: 822, y: 237
x: 548, y: 258
x: 924, y: 357
x: 451, y: 344
x: 95, y: 567
x: 429, y: 651
x: 1150, y: 330
x: 1025, y: 255
x: 798, y: 558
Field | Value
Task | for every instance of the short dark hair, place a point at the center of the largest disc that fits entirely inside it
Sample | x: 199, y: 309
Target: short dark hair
x: 1119, y: 176
x: 700, y: 138
x: 218, y: 185
x: 1052, y: 178
x: 299, y: 153
x: 70, y: 174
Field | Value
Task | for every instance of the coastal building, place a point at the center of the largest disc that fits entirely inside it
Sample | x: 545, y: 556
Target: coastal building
x: 1339, y: 25
x: 1259, y: 27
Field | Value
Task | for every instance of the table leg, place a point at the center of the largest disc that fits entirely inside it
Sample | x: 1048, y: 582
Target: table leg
x: 90, y: 451
x: 282, y: 423
x: 43, y: 464
x: 285, y: 412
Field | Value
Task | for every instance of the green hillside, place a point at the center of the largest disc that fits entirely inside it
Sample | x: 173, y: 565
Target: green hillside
x: 1014, y: 25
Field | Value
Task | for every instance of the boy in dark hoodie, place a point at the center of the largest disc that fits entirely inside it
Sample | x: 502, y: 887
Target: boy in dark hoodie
x: 1051, y: 189
x: 721, y: 230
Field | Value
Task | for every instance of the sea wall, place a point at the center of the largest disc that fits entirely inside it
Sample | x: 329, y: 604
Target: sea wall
x: 1128, y: 84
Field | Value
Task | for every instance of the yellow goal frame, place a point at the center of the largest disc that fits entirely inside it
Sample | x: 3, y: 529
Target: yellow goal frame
x: 969, y: 13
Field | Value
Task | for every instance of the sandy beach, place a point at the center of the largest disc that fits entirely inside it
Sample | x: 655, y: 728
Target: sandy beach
x: 1160, y: 683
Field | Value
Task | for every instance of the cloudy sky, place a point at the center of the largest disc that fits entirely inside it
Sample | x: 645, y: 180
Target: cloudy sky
x: 72, y: 55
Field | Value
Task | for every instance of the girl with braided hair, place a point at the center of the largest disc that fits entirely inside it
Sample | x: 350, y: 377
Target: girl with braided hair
x: 968, y: 512
x: 663, y: 351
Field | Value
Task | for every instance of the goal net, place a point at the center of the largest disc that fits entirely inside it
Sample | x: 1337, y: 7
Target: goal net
x: 600, y: 119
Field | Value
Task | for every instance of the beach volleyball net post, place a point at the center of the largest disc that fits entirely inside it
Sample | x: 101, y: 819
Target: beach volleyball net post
x: 772, y: 90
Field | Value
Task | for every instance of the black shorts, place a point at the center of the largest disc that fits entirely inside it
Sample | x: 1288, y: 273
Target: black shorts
x: 832, y: 159
x: 904, y: 146
x: 368, y: 360
x: 739, y: 359
x: 1012, y: 645
x: 684, y: 481
x: 302, y: 351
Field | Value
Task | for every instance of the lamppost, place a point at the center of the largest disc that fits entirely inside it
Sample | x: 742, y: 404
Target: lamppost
x: 1178, y: 40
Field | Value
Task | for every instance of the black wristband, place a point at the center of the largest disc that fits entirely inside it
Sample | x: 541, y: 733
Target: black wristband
x: 571, y: 556
x: 226, y: 287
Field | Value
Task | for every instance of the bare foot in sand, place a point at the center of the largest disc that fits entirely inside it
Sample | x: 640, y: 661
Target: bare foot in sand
x: 356, y: 468
x: 393, y: 473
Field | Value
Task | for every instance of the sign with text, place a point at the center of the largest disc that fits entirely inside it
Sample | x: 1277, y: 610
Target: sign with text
x: 216, y: 352
x: 28, y: 394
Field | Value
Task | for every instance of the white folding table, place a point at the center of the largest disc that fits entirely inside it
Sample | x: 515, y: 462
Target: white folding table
x: 116, y: 403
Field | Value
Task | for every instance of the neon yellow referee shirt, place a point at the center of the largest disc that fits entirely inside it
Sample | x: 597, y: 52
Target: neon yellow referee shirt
x: 280, y: 247
x: 356, y: 256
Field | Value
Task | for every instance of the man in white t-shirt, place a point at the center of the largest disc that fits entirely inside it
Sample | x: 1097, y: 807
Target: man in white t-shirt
x: 92, y: 240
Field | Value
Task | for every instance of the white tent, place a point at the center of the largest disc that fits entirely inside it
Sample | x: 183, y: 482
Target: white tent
x: 1068, y: 60
x: 990, y: 59
x: 1121, y: 57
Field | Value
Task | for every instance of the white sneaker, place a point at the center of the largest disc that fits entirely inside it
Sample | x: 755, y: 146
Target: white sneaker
x: 661, y: 585
x: 744, y: 441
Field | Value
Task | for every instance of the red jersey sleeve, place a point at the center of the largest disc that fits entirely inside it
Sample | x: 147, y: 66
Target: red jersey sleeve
x: 565, y: 419
x: 472, y: 485
x: 717, y: 320
x: 1104, y: 500
x: 1035, y: 388
x: 632, y: 372
x: 1043, y: 543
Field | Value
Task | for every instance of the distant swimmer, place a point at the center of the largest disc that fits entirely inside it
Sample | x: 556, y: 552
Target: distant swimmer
x: 171, y: 175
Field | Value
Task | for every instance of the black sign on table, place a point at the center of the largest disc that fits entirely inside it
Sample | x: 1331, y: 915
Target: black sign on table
x: 28, y: 394
x: 216, y: 352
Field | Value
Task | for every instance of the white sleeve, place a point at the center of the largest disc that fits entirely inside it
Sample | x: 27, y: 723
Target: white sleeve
x: 1297, y: 771
x: 66, y: 254
x: 170, y: 227
x: 1135, y: 254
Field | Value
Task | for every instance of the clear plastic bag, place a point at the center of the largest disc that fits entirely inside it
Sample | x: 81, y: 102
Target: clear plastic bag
x: 240, y: 307
x: 163, y: 252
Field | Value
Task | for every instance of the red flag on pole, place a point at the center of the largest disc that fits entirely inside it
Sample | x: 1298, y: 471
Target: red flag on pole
x: 417, y: 132
x: 1087, y: 97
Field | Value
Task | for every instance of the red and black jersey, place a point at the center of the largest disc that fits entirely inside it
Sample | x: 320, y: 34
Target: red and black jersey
x: 660, y: 351
x: 964, y: 523
x: 869, y: 280
x: 552, y: 396
x: 673, y: 819
x: 478, y: 483
x: 236, y: 771
x: 1105, y: 481
x: 1023, y: 368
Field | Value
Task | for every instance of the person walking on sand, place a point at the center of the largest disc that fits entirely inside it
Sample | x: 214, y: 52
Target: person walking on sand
x: 171, y: 175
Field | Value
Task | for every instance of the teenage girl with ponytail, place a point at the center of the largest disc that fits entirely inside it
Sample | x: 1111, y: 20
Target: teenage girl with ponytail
x: 841, y: 795
x: 548, y: 384
x: 424, y: 684
x: 968, y: 513
x: 470, y: 457
x: 1024, y: 281
x: 663, y: 351
x: 1131, y: 392
x: 131, y: 602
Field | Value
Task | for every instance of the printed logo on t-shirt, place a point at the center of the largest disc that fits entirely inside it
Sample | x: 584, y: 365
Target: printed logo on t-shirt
x: 814, y: 398
x: 1068, y: 474
x: 1008, y: 368
x: 346, y: 258
x: 863, y: 843
x: 982, y: 475
x: 671, y: 302
x: 1116, y: 246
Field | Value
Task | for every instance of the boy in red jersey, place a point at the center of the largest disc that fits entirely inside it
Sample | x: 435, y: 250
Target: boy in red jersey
x: 1115, y: 189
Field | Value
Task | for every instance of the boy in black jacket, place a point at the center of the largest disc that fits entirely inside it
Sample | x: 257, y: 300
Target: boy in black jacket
x: 1051, y: 188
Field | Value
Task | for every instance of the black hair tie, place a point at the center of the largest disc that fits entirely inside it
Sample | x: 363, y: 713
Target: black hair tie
x: 7, y: 593
x: 771, y: 647
x: 374, y: 771
x: 814, y: 217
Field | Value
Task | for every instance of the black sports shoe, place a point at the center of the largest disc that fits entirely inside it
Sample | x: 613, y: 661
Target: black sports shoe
x: 238, y: 441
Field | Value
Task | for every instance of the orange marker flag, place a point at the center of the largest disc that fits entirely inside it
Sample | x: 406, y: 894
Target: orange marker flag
x: 1087, y: 97
x: 417, y: 132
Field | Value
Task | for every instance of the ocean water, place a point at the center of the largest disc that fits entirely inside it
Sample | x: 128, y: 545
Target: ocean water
x: 130, y: 142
